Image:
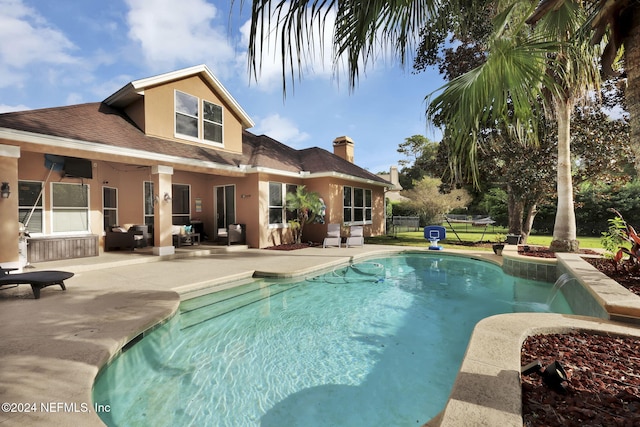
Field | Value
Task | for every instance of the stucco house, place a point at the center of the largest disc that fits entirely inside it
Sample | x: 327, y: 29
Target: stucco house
x: 167, y: 150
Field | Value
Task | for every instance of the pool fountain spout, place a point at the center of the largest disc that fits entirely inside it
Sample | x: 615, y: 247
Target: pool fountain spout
x: 557, y: 287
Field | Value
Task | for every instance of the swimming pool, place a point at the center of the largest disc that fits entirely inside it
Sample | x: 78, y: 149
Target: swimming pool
x: 377, y: 343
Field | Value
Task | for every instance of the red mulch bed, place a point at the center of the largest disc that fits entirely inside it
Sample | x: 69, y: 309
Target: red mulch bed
x: 603, y: 387
x: 542, y: 252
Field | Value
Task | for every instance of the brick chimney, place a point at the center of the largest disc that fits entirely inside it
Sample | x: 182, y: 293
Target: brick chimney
x: 394, y: 177
x: 343, y: 147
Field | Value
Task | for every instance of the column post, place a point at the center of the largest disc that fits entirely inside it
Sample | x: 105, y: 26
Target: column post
x: 162, y: 219
x: 9, y: 253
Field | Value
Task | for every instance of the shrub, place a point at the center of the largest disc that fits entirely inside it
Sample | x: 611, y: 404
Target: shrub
x: 620, y: 239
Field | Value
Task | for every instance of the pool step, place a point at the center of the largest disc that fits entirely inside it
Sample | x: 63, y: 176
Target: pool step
x: 210, y: 306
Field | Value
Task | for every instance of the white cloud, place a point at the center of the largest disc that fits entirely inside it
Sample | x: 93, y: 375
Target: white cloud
x: 9, y: 108
x: 172, y: 34
x: 74, y: 98
x: 26, y: 38
x: 281, y: 129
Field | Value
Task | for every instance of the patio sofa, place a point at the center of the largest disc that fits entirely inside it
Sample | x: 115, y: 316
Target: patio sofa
x: 130, y: 238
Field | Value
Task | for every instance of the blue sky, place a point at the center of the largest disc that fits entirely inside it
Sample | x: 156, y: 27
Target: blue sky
x: 63, y: 52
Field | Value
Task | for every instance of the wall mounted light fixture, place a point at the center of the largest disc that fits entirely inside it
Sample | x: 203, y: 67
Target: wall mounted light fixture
x: 167, y: 197
x: 5, y: 190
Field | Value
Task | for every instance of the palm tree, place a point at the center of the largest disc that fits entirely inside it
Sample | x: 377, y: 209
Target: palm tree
x: 549, y: 63
x: 617, y: 21
x: 307, y: 205
x: 359, y: 31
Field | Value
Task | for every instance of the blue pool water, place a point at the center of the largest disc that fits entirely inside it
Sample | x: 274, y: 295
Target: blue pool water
x: 375, y: 344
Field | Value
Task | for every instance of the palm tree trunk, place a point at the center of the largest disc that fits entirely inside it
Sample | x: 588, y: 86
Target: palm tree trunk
x: 564, y: 229
x: 632, y: 67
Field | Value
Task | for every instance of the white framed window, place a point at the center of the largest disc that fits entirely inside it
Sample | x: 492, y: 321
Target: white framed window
x: 198, y: 121
x: 30, y: 205
x: 69, y: 207
x: 149, y: 206
x: 278, y: 214
x: 212, y: 122
x: 186, y: 115
x: 109, y: 207
x: 357, y: 205
x: 181, y: 204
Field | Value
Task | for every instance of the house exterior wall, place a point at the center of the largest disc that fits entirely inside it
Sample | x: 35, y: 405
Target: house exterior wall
x: 9, y: 157
x: 129, y: 182
x: 160, y: 112
x: 135, y: 111
x: 331, y: 190
x: 127, y: 179
x: 272, y: 235
x: 251, y: 198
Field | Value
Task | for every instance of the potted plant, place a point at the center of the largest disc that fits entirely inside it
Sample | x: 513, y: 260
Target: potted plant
x: 513, y: 239
x: 498, y: 246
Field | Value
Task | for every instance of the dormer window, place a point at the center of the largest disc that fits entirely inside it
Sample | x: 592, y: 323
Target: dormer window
x: 188, y: 122
x: 212, y: 119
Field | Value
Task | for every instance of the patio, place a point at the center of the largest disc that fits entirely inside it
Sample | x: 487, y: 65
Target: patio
x: 55, y: 346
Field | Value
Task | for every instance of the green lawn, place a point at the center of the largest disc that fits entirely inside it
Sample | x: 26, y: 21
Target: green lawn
x: 470, y: 234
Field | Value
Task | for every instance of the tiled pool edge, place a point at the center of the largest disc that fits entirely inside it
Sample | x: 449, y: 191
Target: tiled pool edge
x: 543, y: 269
x: 487, y: 390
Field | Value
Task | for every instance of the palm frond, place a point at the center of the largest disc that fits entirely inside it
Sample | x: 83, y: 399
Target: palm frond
x: 361, y: 30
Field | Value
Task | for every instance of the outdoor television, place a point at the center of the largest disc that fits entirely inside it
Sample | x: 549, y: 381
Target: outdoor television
x: 78, y: 168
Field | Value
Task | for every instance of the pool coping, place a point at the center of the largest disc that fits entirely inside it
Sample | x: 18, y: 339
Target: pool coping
x: 487, y: 390
x: 56, y: 355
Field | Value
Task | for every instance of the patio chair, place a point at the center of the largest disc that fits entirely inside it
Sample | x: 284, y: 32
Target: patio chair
x: 356, y: 236
x: 135, y: 236
x: 333, y: 236
x: 37, y: 279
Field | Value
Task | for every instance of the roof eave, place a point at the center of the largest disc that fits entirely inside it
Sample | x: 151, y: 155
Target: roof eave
x: 350, y: 177
x: 311, y: 175
x: 57, y: 142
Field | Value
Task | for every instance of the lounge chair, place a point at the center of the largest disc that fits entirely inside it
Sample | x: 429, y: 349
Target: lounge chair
x: 333, y: 236
x: 356, y: 236
x: 37, y: 279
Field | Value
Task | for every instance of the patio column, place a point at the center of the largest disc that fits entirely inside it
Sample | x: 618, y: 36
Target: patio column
x: 9, y: 255
x: 162, y: 219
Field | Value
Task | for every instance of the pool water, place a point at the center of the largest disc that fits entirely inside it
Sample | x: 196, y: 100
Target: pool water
x: 378, y: 343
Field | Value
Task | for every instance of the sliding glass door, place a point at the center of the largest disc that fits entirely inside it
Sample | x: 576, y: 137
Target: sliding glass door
x: 225, y: 203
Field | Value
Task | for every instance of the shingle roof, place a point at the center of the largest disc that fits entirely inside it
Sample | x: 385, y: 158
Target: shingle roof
x: 99, y: 123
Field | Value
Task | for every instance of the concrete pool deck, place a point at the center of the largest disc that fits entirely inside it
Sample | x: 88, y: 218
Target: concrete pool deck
x: 53, y: 348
